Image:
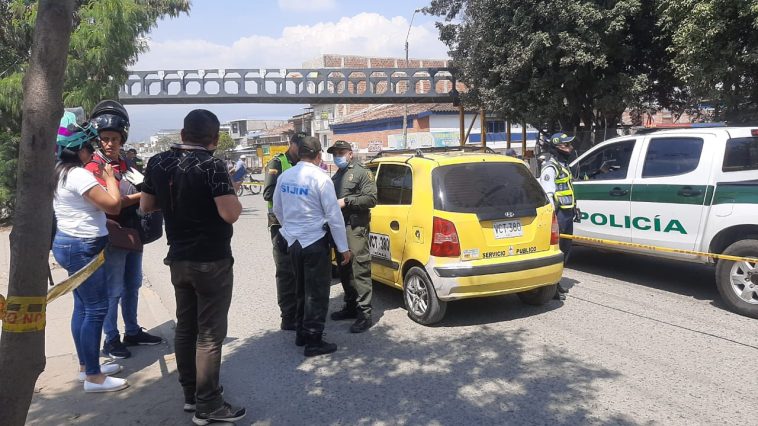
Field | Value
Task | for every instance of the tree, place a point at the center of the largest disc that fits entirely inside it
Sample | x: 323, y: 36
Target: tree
x: 22, y: 354
x: 714, y: 48
x: 556, y: 63
x: 108, y: 35
x: 225, y: 143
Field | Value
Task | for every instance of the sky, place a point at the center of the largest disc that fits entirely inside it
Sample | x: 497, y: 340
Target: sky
x: 221, y: 34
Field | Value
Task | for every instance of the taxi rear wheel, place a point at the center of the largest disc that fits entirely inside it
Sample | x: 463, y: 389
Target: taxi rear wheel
x: 538, y: 296
x: 421, y: 300
x: 737, y: 282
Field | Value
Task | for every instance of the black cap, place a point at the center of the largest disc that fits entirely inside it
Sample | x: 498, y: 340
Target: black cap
x: 339, y: 145
x: 297, y: 137
x: 201, y: 126
x: 310, y: 144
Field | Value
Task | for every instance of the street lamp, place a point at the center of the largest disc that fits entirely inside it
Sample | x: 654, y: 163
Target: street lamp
x: 405, y: 109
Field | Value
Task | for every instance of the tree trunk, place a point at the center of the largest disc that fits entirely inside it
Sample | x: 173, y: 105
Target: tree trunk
x: 22, y: 354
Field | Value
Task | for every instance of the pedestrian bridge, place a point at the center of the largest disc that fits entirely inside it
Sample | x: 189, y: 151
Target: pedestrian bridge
x: 291, y: 86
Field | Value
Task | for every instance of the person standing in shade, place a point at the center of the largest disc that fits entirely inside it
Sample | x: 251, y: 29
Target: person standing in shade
x: 356, y: 194
x: 557, y: 181
x: 306, y: 206
x: 285, y: 274
x: 196, y: 195
x: 123, y: 267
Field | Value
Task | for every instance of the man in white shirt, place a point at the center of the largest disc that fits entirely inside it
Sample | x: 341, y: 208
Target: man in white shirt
x: 306, y: 206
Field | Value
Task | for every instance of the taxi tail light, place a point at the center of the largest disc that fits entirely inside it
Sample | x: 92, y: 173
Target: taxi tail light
x: 753, y: 132
x: 555, y: 233
x: 444, y: 239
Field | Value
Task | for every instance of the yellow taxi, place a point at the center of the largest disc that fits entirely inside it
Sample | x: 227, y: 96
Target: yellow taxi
x: 453, y: 224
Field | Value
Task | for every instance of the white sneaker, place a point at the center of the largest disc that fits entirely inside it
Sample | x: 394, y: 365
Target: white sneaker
x: 111, y: 384
x: 107, y: 369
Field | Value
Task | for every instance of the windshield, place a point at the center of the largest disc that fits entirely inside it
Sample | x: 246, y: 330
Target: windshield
x: 491, y: 190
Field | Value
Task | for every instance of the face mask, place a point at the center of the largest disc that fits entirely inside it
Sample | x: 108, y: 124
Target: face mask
x: 340, y: 162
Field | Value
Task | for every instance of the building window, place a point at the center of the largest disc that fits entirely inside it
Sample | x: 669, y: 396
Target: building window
x: 496, y: 126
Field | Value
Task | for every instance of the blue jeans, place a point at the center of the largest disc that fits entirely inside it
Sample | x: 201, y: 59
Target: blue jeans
x: 124, y: 275
x: 90, y: 298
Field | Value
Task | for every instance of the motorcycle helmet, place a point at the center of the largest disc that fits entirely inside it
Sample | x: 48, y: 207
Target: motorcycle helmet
x: 111, y: 115
x: 73, y: 136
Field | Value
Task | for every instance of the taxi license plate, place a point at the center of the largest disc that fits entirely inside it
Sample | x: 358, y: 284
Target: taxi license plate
x: 507, y: 229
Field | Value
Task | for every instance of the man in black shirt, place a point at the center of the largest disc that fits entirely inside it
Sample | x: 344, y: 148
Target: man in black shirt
x: 199, y: 206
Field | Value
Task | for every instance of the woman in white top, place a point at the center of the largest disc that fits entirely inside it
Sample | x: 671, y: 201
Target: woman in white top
x: 80, y: 205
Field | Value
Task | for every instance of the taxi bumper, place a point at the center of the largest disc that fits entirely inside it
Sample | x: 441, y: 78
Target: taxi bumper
x: 465, y: 280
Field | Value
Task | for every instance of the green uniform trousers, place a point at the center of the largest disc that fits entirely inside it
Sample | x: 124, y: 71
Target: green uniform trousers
x: 356, y: 275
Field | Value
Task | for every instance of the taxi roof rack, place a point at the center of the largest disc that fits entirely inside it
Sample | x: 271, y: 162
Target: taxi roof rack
x: 419, y: 152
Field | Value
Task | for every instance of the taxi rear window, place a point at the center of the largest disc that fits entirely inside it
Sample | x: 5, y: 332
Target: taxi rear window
x: 741, y: 154
x: 491, y: 190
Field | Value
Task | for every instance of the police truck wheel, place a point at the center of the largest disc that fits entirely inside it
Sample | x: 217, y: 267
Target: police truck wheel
x: 538, y: 296
x: 421, y: 300
x: 737, y: 282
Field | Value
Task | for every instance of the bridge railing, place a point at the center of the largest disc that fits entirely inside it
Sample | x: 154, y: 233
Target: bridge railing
x: 301, y: 85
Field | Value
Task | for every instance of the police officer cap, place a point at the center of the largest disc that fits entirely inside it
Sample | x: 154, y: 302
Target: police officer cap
x: 339, y: 145
x: 310, y: 144
x: 560, y: 139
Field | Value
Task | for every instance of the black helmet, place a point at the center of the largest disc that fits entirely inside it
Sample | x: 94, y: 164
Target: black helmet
x: 111, y: 115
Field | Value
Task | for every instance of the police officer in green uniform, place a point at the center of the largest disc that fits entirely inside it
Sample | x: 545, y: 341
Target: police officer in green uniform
x: 356, y: 194
x: 285, y: 275
x: 557, y: 181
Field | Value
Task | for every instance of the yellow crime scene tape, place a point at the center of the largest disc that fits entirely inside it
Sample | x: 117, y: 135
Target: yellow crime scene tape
x: 659, y: 249
x: 21, y: 314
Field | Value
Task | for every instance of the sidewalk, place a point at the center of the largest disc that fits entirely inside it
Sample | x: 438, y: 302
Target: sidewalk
x: 154, y: 391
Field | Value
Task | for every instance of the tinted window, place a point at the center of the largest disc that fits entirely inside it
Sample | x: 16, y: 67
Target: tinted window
x: 394, y: 184
x: 487, y: 188
x: 741, y: 154
x: 609, y: 162
x: 672, y: 156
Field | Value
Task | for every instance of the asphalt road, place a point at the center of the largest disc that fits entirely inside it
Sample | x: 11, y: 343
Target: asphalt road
x: 638, y: 341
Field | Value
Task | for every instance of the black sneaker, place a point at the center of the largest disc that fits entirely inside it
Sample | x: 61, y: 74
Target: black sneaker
x: 115, y: 349
x: 226, y: 413
x: 190, y: 404
x: 141, y: 338
x: 362, y: 324
x: 345, y: 313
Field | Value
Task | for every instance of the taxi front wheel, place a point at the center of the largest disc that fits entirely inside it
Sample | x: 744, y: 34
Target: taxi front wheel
x: 538, y: 296
x: 421, y: 300
x: 737, y: 282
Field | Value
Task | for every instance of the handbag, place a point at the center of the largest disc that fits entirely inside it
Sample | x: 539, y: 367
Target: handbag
x: 123, y: 238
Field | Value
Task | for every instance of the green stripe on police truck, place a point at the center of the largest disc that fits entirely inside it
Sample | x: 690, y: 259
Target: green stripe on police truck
x: 642, y: 223
x: 672, y: 194
x: 725, y: 193
x: 736, y: 193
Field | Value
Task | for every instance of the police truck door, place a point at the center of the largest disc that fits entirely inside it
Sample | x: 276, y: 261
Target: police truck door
x: 602, y: 183
x: 388, y: 221
x: 670, y: 188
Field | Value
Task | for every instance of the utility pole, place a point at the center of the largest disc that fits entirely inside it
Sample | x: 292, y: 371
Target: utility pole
x: 407, y: 87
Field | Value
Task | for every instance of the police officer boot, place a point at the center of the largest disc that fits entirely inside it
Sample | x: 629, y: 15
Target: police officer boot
x: 347, y: 312
x: 362, y: 324
x: 315, y: 345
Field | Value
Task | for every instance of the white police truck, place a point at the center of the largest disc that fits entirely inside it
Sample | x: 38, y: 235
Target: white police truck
x: 694, y: 189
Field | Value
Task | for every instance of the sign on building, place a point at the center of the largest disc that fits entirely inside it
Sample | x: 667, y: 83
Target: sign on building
x: 374, y: 146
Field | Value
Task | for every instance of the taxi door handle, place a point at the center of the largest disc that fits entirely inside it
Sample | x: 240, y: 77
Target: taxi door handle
x: 395, y: 225
x: 618, y: 192
x: 687, y: 191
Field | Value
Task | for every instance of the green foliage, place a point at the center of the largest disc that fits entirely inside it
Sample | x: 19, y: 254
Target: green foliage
x: 225, y: 143
x: 714, y: 44
x: 556, y: 63
x: 108, y: 35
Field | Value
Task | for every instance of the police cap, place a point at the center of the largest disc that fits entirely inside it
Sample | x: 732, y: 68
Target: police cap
x: 339, y: 145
